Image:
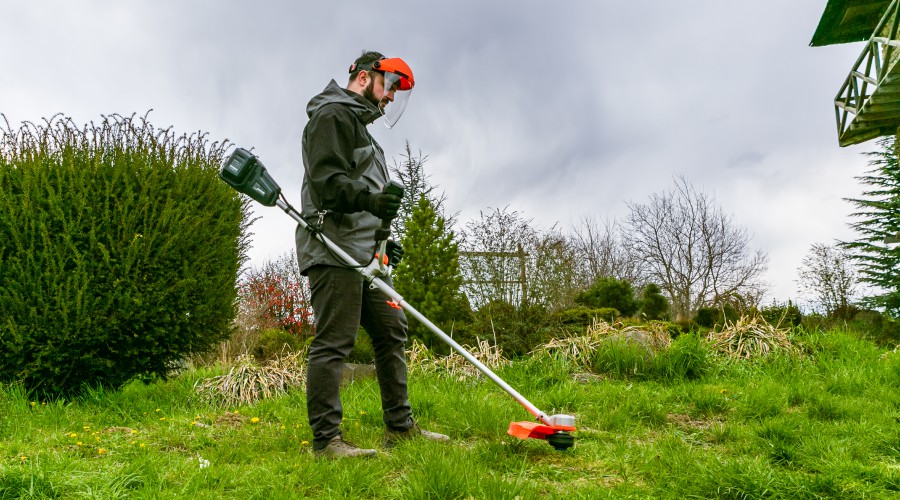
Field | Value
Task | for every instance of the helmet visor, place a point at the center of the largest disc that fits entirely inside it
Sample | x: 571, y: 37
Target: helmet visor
x: 395, y: 99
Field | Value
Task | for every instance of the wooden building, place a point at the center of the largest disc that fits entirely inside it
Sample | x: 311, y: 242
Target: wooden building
x: 868, y: 102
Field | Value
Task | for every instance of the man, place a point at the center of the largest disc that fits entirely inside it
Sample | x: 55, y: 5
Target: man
x: 342, y: 193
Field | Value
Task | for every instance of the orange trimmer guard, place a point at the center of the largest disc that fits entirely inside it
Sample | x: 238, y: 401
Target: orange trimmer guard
x: 535, y: 430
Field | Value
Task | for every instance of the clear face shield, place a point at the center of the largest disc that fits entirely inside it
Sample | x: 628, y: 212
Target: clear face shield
x: 394, y: 101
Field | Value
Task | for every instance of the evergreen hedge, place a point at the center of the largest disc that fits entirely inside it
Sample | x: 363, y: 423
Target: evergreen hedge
x: 119, y: 252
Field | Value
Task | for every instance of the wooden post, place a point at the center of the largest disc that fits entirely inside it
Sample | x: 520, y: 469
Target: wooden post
x: 523, y: 275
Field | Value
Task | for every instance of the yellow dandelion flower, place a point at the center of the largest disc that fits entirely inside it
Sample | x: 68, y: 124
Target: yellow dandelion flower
x: 33, y: 403
x: 194, y: 422
x: 236, y: 412
x: 78, y: 443
x: 254, y: 420
x: 86, y: 428
x: 101, y: 451
x: 141, y: 445
x: 134, y: 443
x: 97, y: 439
x: 304, y: 443
x: 362, y: 412
x: 282, y: 427
x: 72, y: 435
x: 23, y: 457
x: 158, y: 410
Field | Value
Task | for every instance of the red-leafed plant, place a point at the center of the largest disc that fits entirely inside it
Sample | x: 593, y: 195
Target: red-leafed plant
x: 276, y: 295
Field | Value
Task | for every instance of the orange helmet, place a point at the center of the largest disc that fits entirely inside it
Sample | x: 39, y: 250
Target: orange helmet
x: 399, y: 68
x: 397, y: 77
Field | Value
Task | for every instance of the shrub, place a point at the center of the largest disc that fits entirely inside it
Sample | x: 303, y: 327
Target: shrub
x: 874, y: 326
x: 782, y: 315
x: 515, y: 330
x: 610, y: 292
x: 120, y: 249
x: 585, y: 316
x: 279, y: 295
x: 363, y: 351
x: 654, y: 305
x: 713, y: 317
x: 274, y: 342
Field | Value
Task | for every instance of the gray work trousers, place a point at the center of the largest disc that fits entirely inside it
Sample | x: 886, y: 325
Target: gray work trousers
x: 342, y: 301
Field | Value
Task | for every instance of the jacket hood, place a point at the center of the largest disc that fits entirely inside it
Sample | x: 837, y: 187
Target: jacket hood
x: 333, y: 93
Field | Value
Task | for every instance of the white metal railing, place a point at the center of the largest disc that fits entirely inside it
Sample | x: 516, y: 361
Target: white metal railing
x: 870, y: 69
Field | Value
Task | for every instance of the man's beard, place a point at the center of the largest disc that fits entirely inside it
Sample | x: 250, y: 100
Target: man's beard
x: 369, y: 93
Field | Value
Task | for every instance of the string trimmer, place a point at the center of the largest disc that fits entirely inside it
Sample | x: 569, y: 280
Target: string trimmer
x: 244, y: 172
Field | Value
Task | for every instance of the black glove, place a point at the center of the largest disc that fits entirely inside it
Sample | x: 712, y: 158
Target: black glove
x: 382, y: 205
x: 394, y: 252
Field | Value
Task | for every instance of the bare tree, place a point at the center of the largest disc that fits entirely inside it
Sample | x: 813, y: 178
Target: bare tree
x: 828, y: 275
x: 553, y: 273
x: 693, y: 250
x: 506, y: 259
x: 494, y: 248
x: 602, y: 252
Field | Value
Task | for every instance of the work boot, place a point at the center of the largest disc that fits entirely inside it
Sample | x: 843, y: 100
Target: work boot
x: 339, y: 448
x: 392, y: 437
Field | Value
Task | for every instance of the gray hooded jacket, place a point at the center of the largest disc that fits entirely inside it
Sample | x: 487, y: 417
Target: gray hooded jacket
x: 341, y: 160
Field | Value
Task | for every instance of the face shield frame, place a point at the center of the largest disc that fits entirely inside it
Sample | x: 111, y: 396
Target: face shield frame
x: 395, y: 99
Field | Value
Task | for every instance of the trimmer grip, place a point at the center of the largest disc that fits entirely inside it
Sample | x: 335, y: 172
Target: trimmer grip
x: 394, y: 187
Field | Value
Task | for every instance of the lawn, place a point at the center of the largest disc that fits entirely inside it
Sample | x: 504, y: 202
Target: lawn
x: 821, y: 422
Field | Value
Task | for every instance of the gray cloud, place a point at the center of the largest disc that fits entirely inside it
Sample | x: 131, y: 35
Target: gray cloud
x: 557, y: 110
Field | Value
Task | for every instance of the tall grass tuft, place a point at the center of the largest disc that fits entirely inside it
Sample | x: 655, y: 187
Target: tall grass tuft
x: 749, y: 337
x: 246, y: 382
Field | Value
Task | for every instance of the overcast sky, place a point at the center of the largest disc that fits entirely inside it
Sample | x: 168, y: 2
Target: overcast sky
x: 557, y: 110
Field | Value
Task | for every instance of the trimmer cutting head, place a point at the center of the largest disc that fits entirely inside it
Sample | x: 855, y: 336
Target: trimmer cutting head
x: 557, y: 434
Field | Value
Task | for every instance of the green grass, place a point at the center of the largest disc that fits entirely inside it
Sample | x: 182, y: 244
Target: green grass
x: 821, y: 424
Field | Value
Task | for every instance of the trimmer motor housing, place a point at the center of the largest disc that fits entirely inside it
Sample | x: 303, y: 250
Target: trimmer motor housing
x: 245, y: 173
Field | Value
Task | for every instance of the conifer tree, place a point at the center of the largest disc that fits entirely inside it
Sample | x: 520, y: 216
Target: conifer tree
x: 411, y: 173
x: 878, y: 219
x: 429, y: 277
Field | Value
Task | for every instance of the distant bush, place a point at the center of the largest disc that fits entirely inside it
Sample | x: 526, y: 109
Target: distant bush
x: 279, y: 296
x: 363, y: 351
x: 516, y: 330
x: 612, y: 293
x: 120, y: 249
x: 654, y: 305
x: 274, y: 342
x: 712, y: 317
x: 875, y: 326
x: 786, y: 315
x: 584, y: 316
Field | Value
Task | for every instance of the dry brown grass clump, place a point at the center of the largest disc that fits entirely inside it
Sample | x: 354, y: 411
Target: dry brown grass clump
x: 749, y: 337
x: 454, y: 364
x: 579, y: 349
x: 247, y: 382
